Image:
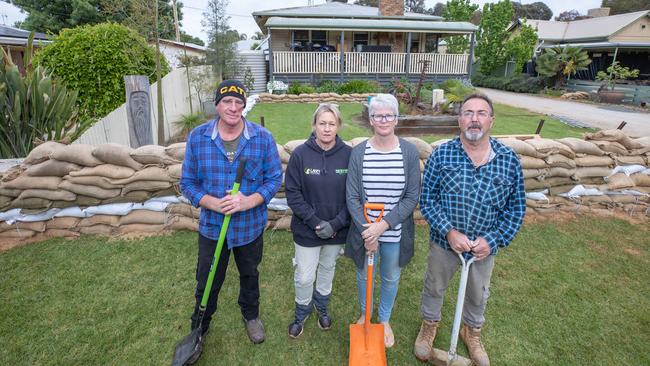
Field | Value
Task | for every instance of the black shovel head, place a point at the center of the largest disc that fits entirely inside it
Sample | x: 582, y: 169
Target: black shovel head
x: 188, y: 349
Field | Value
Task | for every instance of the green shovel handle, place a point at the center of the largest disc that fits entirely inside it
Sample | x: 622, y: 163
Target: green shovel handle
x: 222, y: 237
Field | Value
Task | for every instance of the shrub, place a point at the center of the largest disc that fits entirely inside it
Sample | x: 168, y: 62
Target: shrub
x: 95, y: 59
x: 328, y: 86
x: 359, y: 86
x: 297, y: 88
x: 187, y: 122
x: 519, y: 83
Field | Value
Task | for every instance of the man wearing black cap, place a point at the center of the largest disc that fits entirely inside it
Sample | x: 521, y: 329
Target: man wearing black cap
x: 212, y: 155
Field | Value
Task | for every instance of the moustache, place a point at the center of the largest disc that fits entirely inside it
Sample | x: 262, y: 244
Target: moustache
x: 475, y: 125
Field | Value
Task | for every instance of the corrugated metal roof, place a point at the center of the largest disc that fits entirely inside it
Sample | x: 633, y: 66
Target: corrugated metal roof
x: 338, y: 10
x: 586, y: 29
x: 19, y: 33
x: 603, y: 45
x: 386, y: 25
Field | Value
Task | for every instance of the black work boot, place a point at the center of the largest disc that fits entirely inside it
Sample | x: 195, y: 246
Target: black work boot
x: 320, y: 304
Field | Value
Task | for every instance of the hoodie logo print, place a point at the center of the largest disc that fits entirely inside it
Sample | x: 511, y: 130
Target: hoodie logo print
x: 310, y: 171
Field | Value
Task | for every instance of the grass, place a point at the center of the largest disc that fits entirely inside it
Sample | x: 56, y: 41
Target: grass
x: 292, y: 121
x: 570, y: 292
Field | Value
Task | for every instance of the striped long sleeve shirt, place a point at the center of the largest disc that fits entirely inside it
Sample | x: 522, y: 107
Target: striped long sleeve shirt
x: 487, y: 201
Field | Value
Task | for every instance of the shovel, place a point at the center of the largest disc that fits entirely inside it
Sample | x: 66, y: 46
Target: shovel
x: 367, y: 347
x: 443, y: 358
x: 189, y: 349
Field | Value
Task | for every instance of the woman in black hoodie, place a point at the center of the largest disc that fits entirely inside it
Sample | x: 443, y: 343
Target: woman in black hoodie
x: 315, y: 188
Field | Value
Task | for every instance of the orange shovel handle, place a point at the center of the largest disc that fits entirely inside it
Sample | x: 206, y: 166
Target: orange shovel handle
x: 373, y: 206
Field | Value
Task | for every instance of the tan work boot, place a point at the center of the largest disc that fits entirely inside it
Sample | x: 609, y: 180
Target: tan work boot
x: 424, y: 341
x: 472, y: 338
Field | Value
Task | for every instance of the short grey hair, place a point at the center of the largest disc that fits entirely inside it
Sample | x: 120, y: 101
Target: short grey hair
x: 478, y: 95
x: 383, y: 101
x: 327, y: 107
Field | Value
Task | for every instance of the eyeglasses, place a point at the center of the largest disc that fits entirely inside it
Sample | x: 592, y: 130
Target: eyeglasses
x: 470, y: 114
x: 383, y: 117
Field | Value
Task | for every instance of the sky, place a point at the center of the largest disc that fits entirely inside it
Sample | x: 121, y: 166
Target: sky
x: 241, y: 19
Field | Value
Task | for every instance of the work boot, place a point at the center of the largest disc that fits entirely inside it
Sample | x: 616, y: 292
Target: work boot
x: 195, y: 357
x: 424, y: 341
x: 320, y: 304
x: 255, y: 330
x: 472, y: 338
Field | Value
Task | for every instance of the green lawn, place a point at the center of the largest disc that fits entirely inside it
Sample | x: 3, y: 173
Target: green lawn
x: 292, y: 121
x: 573, y: 292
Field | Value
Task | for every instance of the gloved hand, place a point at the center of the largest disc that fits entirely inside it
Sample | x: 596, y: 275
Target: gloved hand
x: 324, y: 230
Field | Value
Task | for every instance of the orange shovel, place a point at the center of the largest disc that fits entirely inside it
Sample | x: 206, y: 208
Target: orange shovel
x: 367, y: 347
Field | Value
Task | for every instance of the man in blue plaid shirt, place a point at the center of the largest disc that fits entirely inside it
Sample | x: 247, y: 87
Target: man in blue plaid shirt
x: 473, y: 198
x: 212, y: 156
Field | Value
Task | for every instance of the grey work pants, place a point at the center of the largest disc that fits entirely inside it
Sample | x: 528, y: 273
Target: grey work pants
x: 441, y: 266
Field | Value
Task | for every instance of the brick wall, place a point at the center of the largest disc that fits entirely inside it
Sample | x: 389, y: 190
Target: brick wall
x: 391, y: 7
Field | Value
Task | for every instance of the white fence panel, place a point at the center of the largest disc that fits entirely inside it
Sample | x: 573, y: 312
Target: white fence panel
x: 374, y: 62
x: 306, y: 62
x: 439, y: 63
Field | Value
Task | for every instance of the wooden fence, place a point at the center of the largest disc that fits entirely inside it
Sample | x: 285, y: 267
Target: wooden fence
x: 634, y: 94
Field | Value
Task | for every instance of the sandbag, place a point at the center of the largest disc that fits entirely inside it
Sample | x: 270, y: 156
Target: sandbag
x: 137, y: 196
x: 90, y: 191
x: 548, y: 146
x: 554, y: 191
x: 535, y: 185
x: 105, y: 170
x: 176, y: 151
x: 355, y: 141
x: 559, y: 160
x: 43, y: 152
x: 591, y: 160
x: 528, y: 162
x: 117, y: 209
x: 283, y: 223
x: 171, y: 191
x: 139, y: 228
x: 185, y: 210
x: 629, y: 160
x: 520, y: 147
x: 37, y: 226
x: 109, y: 220
x: 593, y: 171
x: 10, y: 192
x: 31, y: 203
x: 27, y: 182
x: 284, y: 155
x: 183, y: 223
x: 97, y: 230
x: 560, y: 172
x: 93, y: 180
x: 116, y: 154
x: 145, y: 185
x: 60, y: 233
x: 12, y: 173
x: 17, y: 234
x: 175, y: 171
x: 581, y: 146
x: 293, y: 144
x: 641, y: 180
x: 4, y: 201
x: 535, y: 173
x: 62, y: 223
x: 81, y: 154
x: 153, y: 155
x: 152, y: 173
x: 619, y: 181
x: 423, y: 147
x: 85, y: 201
x: 437, y: 144
x: 53, y: 168
x: 611, y: 147
x: 144, y: 217
x: 614, y: 135
x: 58, y: 195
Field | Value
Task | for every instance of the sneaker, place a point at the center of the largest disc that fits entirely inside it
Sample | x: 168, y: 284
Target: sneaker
x: 255, y: 330
x: 424, y: 341
x: 324, y: 319
x: 295, y: 329
x: 389, y: 337
x: 472, y: 338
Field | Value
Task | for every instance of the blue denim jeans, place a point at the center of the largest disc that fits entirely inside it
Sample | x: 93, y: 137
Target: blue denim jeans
x: 389, y: 272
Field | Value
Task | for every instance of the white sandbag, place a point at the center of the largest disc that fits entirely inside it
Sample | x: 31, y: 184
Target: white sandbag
x: 168, y: 199
x: 10, y: 215
x: 72, y: 211
x: 537, y: 196
x: 278, y: 204
x: 43, y: 216
x: 118, y: 209
x: 580, y: 190
x: 628, y: 169
x: 151, y: 205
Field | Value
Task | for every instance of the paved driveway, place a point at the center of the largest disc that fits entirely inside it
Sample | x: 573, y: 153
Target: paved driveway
x: 598, y: 116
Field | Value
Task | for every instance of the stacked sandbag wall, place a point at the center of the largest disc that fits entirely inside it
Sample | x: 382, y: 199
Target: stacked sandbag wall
x: 92, y: 187
x: 313, y: 98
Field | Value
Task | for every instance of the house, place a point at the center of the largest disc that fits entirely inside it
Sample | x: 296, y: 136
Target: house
x: 623, y: 37
x: 175, y: 51
x: 14, y: 41
x: 340, y: 41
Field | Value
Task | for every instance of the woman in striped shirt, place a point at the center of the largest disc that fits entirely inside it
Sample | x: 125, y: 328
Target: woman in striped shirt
x: 384, y: 169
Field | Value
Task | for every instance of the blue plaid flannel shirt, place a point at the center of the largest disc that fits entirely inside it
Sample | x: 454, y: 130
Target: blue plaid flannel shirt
x: 488, y: 201
x: 206, y: 170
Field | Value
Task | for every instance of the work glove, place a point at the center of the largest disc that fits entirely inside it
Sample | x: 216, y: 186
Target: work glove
x: 324, y: 230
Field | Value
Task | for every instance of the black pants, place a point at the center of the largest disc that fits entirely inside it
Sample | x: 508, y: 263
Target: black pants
x: 247, y: 257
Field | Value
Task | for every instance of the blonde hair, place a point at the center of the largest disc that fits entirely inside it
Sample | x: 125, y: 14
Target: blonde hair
x: 327, y: 107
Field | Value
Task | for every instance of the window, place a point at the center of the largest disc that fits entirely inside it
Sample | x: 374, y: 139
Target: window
x: 301, y: 36
x: 319, y: 37
x: 359, y: 39
x: 431, y: 43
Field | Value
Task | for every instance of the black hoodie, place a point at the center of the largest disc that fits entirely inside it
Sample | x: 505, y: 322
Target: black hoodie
x: 315, y: 189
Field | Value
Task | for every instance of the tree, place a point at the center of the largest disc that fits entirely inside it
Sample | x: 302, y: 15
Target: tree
x: 222, y: 48
x: 536, y: 10
x: 459, y: 11
x: 570, y: 15
x: 51, y: 16
x: 492, y: 35
x: 374, y: 3
x: 559, y: 63
x: 191, y: 39
x: 439, y: 9
x: 417, y: 6
x: 625, y: 6
x: 94, y: 59
x: 520, y: 48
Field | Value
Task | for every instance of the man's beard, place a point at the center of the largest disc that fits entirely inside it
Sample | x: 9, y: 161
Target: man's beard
x: 473, y: 136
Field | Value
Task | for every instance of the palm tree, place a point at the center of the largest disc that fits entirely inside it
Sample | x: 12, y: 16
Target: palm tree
x: 559, y: 63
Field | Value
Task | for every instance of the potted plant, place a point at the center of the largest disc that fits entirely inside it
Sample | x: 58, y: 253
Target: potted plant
x: 277, y: 87
x: 614, y: 73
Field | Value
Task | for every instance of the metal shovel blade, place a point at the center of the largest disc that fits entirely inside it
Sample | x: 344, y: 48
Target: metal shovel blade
x: 439, y: 357
x: 372, y: 353
x: 188, y: 349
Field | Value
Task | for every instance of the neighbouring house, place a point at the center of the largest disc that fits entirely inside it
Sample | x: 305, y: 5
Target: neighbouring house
x: 340, y: 41
x: 14, y: 41
x: 174, y: 51
x: 623, y: 37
